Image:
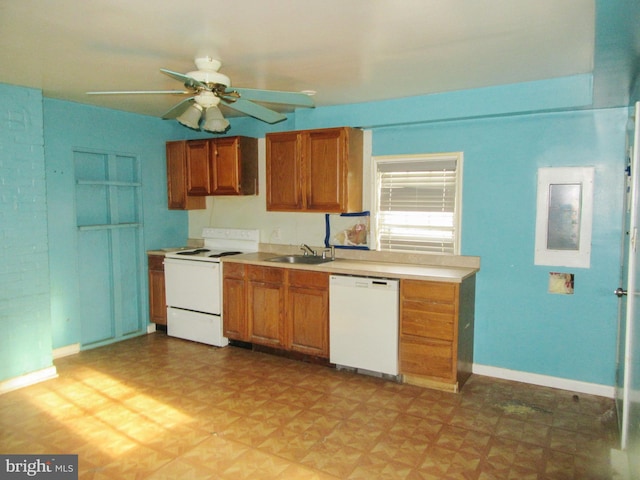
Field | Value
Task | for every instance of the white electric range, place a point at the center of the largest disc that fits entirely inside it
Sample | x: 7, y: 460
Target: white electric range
x: 193, y: 282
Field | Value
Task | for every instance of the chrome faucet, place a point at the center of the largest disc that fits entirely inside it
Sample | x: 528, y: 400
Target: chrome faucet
x: 307, y: 249
x: 331, y: 249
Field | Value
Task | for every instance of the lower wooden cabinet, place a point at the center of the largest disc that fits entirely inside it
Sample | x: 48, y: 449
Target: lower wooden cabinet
x: 234, y: 304
x: 277, y: 307
x: 265, y: 307
x: 308, y: 313
x: 157, y: 296
x: 436, y: 332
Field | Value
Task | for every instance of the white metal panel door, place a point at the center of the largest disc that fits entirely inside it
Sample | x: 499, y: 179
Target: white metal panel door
x: 193, y: 285
x: 629, y: 393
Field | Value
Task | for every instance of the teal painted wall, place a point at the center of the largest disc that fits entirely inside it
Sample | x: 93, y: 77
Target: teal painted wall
x: 67, y: 126
x: 25, y: 341
x: 519, y: 325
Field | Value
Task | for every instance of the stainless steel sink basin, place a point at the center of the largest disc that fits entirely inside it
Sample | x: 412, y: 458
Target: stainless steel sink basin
x: 304, y: 259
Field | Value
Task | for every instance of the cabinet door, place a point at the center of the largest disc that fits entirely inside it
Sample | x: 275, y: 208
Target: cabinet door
x: 226, y: 168
x: 266, y: 305
x: 324, y: 166
x: 234, y: 309
x: 284, y: 172
x: 308, y: 313
x: 157, y: 296
x: 177, y: 179
x: 198, y: 167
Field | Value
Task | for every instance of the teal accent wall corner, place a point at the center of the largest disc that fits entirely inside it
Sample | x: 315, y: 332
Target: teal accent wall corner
x: 25, y: 342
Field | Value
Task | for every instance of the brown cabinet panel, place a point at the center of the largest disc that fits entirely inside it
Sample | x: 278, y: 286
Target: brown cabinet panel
x: 428, y: 358
x: 265, y: 274
x: 307, y: 279
x: 266, y: 313
x: 325, y: 152
x: 177, y: 196
x: 234, y: 313
x: 428, y: 324
x: 198, y: 168
x: 308, y: 312
x: 284, y: 172
x: 430, y: 292
x: 157, y: 295
x: 234, y: 168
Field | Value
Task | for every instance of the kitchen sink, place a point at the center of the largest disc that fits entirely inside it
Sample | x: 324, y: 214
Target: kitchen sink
x: 304, y: 259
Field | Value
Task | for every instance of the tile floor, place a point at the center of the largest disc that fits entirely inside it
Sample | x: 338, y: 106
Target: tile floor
x: 155, y: 407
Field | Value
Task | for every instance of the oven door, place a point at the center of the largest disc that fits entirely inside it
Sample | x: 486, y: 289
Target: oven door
x: 193, y: 285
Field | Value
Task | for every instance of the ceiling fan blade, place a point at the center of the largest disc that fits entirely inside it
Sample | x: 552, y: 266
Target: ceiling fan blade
x: 141, y: 92
x: 188, y: 81
x: 274, y: 96
x: 255, y: 110
x: 178, y: 109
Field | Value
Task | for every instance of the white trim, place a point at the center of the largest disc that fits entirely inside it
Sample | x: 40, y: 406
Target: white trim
x: 66, y: 350
x: 151, y: 328
x: 545, y: 380
x: 28, y: 379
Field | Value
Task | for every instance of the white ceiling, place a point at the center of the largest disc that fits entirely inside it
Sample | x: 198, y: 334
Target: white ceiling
x: 349, y: 51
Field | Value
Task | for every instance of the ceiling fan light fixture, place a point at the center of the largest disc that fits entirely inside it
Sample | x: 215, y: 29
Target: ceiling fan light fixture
x: 214, y: 121
x: 191, y: 117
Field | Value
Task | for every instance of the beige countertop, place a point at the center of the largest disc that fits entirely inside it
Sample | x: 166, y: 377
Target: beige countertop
x: 437, y: 273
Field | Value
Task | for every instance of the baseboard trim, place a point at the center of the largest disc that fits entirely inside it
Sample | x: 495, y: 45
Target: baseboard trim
x: 66, y: 350
x: 28, y: 379
x: 151, y: 328
x: 545, y: 381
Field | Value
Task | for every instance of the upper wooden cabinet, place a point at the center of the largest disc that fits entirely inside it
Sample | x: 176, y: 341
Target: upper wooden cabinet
x: 178, y: 199
x: 214, y: 166
x: 234, y: 166
x: 315, y: 170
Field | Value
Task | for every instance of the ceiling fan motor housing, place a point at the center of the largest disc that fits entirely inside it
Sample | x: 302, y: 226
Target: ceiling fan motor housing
x: 208, y: 72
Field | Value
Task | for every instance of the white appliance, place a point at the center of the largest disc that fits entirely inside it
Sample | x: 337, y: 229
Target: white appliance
x: 193, y: 283
x: 363, y: 323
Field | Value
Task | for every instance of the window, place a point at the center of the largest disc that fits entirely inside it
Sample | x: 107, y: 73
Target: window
x: 418, y: 202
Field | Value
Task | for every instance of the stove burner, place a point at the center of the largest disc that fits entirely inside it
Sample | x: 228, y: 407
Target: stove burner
x: 224, y: 254
x: 194, y: 252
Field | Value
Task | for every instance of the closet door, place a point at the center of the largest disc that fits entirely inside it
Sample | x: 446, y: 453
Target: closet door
x: 110, y: 253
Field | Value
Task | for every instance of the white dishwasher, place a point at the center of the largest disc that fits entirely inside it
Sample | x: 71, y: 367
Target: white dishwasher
x: 363, y: 323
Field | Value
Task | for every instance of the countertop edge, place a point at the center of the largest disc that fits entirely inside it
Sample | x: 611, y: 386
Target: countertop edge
x: 363, y: 268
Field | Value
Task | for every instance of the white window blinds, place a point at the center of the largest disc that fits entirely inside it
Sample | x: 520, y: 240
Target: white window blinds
x: 417, y: 203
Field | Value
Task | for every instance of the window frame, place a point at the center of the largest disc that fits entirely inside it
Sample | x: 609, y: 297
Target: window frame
x: 458, y: 157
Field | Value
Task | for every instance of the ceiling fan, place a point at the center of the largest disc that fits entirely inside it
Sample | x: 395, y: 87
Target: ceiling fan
x: 208, y: 88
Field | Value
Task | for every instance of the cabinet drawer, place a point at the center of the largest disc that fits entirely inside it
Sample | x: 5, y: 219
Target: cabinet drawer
x: 233, y: 270
x: 155, y: 262
x: 265, y: 274
x: 433, y: 292
x: 429, y: 358
x: 427, y: 324
x: 302, y: 278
